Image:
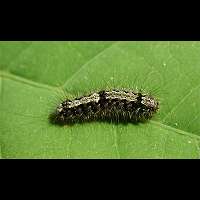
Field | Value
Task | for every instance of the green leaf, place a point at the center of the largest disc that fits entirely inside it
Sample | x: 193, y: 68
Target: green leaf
x: 33, y: 75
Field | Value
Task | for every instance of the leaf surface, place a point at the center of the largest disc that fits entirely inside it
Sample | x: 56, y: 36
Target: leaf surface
x: 32, y: 74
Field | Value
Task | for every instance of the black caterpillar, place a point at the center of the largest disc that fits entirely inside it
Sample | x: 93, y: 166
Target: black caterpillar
x: 114, y: 106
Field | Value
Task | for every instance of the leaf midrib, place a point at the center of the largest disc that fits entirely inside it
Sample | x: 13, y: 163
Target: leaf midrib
x: 44, y: 86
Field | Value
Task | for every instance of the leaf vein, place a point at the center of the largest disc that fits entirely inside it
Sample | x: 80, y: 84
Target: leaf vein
x: 180, y: 102
x: 87, y: 63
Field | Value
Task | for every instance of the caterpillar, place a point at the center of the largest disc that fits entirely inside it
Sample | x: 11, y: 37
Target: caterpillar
x: 113, y: 106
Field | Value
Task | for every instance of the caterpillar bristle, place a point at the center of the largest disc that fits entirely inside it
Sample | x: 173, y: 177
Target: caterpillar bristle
x: 106, y: 105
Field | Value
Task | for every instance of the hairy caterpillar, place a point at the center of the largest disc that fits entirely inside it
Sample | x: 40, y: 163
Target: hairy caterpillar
x: 113, y: 105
